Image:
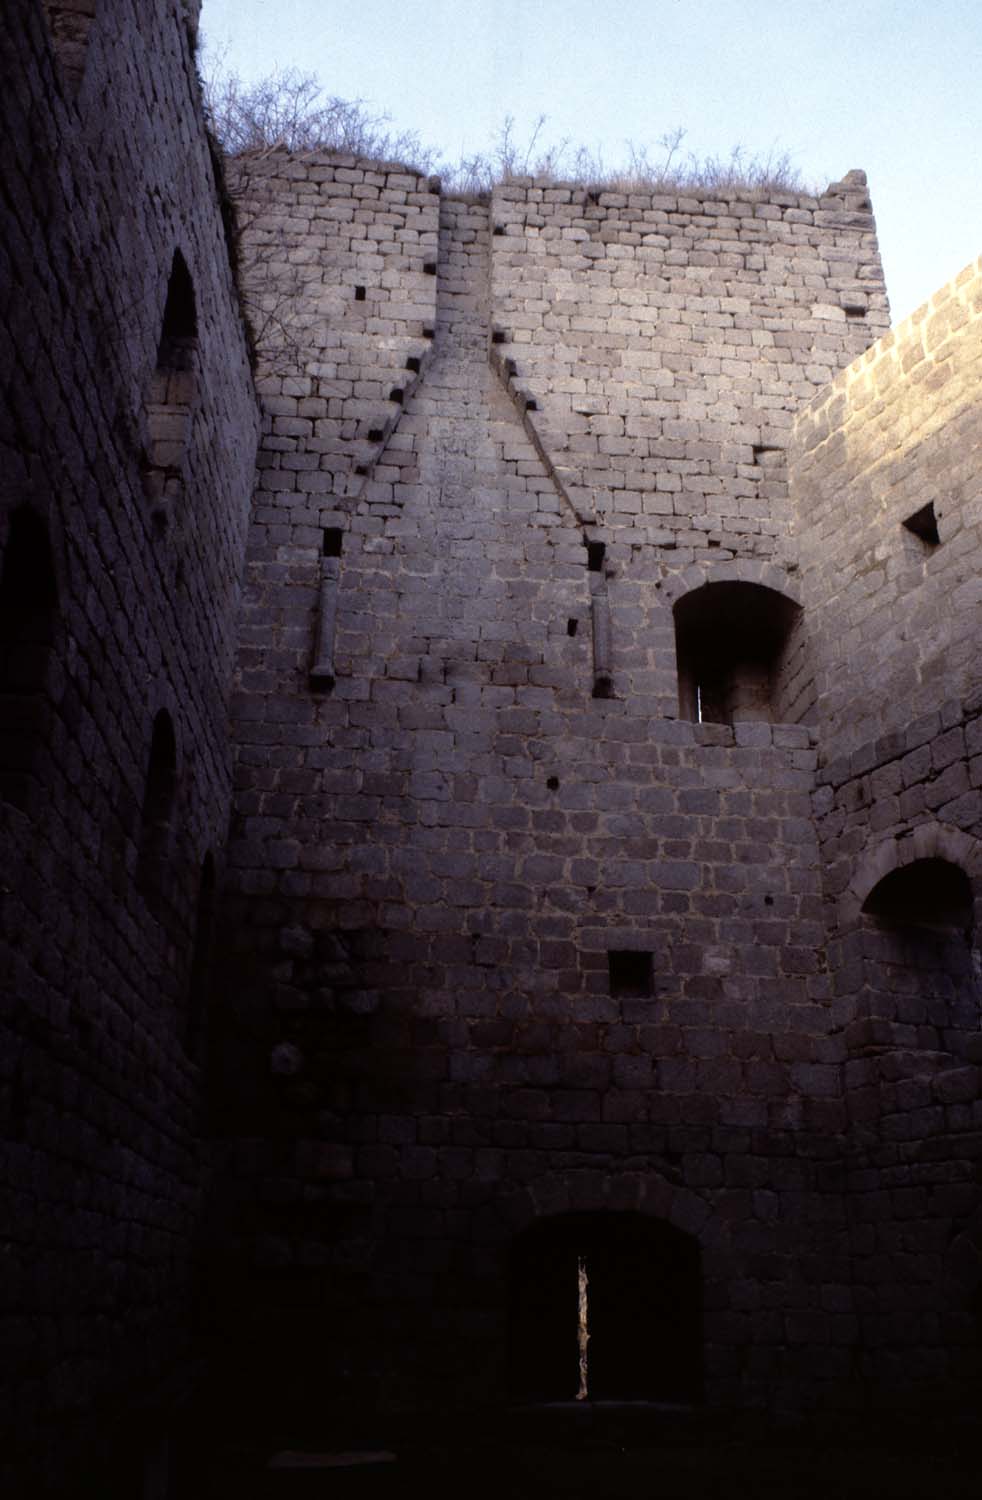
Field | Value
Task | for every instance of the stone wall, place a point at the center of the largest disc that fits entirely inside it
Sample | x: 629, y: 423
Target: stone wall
x: 584, y: 700
x: 665, y: 343
x: 449, y: 833
x: 892, y: 619
x: 106, y: 175
x: 893, y: 614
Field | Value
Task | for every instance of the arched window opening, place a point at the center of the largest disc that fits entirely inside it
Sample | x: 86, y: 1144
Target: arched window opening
x: 201, y: 956
x: 605, y: 1307
x: 927, y: 893
x: 732, y: 643
x: 70, y: 22
x: 919, y: 963
x: 172, y: 393
x: 159, y: 796
x: 28, y: 619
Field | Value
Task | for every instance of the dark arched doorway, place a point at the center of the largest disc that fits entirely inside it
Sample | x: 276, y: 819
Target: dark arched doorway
x: 605, y: 1307
x: 735, y: 652
x: 920, y: 969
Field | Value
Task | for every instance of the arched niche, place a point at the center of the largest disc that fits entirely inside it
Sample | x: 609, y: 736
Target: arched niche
x: 920, y: 968
x: 734, y: 645
x: 172, y: 393
x: 605, y: 1306
x: 28, y: 624
x: 70, y: 24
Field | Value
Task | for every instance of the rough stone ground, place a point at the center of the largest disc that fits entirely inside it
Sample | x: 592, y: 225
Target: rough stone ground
x: 611, y: 1470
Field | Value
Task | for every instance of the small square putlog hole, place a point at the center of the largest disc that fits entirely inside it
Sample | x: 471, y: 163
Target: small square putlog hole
x: 630, y: 972
x: 924, y: 524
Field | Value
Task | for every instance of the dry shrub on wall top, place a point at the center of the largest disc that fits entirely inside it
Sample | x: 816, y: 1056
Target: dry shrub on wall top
x: 289, y: 111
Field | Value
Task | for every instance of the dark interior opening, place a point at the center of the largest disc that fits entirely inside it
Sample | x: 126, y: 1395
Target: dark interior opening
x: 919, y: 974
x: 924, y: 524
x: 630, y: 971
x: 359, y: 294
x: 201, y: 958
x: 731, y: 640
x: 333, y: 540
x: 180, y: 316
x: 643, y: 1310
x: 172, y: 390
x: 158, y: 801
x: 28, y: 620
x: 595, y: 552
x: 926, y: 893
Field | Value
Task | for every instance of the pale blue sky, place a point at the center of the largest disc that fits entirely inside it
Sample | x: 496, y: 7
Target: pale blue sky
x: 889, y: 85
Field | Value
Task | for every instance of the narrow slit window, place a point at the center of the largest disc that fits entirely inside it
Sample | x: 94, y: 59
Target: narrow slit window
x: 333, y: 541
x: 595, y: 553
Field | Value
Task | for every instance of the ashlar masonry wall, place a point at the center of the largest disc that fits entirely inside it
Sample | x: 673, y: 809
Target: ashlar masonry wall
x: 107, y: 174
x: 896, y: 618
x: 442, y: 834
x: 895, y: 613
x: 665, y: 343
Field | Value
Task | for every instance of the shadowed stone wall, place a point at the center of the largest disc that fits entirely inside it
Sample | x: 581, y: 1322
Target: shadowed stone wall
x: 444, y: 831
x: 895, y: 636
x: 589, y: 693
x: 106, y: 174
